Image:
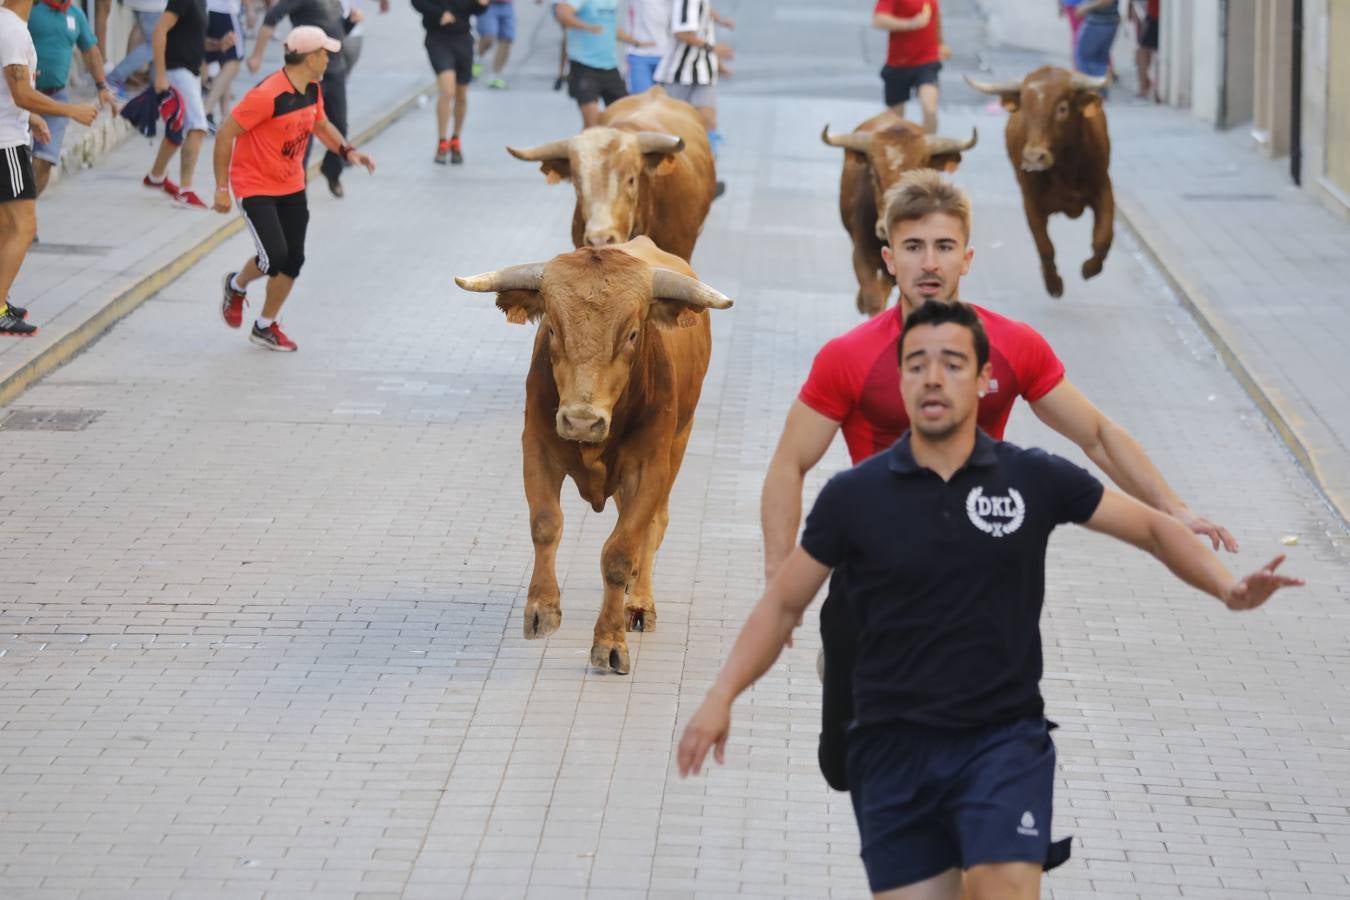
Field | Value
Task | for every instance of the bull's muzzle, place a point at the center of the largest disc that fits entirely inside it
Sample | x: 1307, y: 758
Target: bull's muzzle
x: 582, y: 423
x: 1037, y: 159
x: 601, y: 238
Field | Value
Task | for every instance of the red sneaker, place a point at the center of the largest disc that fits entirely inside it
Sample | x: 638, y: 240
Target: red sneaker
x: 190, y: 199
x: 442, y: 152
x: 272, y: 338
x: 456, y: 154
x: 233, y: 303
x: 166, y: 186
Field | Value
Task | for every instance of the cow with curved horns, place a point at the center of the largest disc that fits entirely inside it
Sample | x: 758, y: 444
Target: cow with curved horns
x: 877, y: 153
x: 645, y: 169
x: 618, y: 365
x: 1061, y: 152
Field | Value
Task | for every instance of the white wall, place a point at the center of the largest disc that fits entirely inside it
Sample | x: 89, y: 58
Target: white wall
x: 1205, y: 59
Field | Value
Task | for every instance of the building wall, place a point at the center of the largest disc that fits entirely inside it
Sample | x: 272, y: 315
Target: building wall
x: 1205, y: 59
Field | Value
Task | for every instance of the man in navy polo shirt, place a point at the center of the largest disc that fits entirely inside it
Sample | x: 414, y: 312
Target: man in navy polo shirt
x: 950, y: 761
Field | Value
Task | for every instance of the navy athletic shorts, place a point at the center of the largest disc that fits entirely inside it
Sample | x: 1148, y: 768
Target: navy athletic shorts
x: 900, y: 84
x: 929, y: 800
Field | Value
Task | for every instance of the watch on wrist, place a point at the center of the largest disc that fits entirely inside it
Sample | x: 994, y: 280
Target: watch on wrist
x: 344, y: 150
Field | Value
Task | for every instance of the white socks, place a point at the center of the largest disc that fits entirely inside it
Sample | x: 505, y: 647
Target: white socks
x: 263, y: 323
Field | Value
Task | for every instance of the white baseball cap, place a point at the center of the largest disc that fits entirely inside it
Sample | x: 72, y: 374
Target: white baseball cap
x: 308, y: 38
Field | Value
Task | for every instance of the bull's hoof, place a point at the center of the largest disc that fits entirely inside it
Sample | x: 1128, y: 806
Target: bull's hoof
x: 1092, y: 267
x: 1054, y: 285
x: 541, y: 621
x: 609, y: 657
x: 641, y: 618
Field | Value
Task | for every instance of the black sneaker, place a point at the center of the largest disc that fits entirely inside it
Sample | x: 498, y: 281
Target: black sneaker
x: 12, y: 326
x: 18, y: 312
x: 442, y: 152
x: 456, y: 157
x: 719, y: 189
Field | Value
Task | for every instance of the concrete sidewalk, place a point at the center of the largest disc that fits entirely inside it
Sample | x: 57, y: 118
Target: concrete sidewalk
x: 107, y: 243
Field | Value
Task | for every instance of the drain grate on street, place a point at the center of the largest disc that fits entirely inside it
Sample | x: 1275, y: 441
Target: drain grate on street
x: 49, y: 419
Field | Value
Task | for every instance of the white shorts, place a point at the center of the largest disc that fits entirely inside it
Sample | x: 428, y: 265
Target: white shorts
x: 190, y: 86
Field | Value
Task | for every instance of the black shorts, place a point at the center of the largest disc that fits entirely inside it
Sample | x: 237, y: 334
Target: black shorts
x: 1148, y: 33
x: 278, y: 226
x: 901, y: 84
x: 16, y: 181
x: 928, y: 800
x: 451, y: 52
x: 587, y: 85
x: 219, y: 24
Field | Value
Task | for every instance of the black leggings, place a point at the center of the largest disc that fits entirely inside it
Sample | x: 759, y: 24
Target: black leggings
x: 278, y: 226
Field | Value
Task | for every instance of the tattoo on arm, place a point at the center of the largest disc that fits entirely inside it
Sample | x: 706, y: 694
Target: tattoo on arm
x: 16, y: 75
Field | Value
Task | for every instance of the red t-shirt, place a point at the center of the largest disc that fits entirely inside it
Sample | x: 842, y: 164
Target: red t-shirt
x: 269, y: 157
x: 911, y: 48
x: 855, y: 379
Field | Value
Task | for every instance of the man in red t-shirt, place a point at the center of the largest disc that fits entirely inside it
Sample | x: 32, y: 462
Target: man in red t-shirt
x: 260, y: 151
x: 854, y: 386
x: 914, y: 55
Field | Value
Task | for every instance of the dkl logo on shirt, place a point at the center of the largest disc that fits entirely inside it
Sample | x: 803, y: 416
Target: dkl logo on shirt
x: 995, y: 516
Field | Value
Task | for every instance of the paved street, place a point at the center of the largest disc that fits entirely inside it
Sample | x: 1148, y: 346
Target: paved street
x: 260, y: 620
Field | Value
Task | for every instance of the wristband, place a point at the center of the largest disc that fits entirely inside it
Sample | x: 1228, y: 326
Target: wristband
x: 344, y: 150
x: 101, y: 85
x: 222, y: 190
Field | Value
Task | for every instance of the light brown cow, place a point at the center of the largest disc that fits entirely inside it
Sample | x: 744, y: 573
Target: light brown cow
x: 1061, y: 153
x: 877, y: 153
x: 645, y: 169
x: 618, y: 365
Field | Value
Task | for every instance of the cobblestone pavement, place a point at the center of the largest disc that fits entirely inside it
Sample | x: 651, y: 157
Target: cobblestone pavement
x: 260, y: 634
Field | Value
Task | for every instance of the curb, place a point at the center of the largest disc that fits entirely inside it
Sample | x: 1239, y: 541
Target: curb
x: 82, y: 335
x: 1202, y: 310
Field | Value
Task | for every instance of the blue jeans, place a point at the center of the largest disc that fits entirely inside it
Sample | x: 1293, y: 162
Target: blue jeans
x: 139, y: 56
x: 1092, y: 54
x: 640, y: 71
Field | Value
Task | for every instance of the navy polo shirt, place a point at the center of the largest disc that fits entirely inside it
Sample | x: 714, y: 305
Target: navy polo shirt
x: 946, y: 579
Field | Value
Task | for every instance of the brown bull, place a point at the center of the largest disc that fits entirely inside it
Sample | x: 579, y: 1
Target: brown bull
x: 1061, y: 153
x: 645, y: 169
x: 618, y: 364
x: 878, y: 152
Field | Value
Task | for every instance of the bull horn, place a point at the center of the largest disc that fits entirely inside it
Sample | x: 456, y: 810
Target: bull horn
x: 552, y: 150
x: 659, y: 142
x: 668, y: 285
x: 994, y: 87
x: 857, y: 141
x: 526, y: 277
x: 940, y: 145
x: 1081, y: 82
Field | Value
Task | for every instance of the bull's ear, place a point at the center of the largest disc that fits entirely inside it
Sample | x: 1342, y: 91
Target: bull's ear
x: 945, y: 162
x: 1011, y: 100
x: 1089, y: 104
x: 659, y: 163
x: 520, y: 306
x: 556, y: 170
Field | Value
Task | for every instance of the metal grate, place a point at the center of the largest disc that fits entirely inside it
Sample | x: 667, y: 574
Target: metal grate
x: 49, y: 419
x: 1228, y: 197
x: 70, y: 249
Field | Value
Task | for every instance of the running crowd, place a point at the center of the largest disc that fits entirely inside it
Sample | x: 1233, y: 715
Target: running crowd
x: 184, y: 55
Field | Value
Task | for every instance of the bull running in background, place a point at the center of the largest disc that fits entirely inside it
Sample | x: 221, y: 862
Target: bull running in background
x: 876, y: 154
x: 1061, y: 152
x: 646, y: 169
x: 623, y: 344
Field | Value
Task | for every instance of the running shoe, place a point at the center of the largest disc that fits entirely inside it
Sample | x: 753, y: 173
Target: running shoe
x: 477, y: 69
x: 166, y: 186
x: 12, y: 326
x: 232, y: 303
x: 190, y: 199
x: 442, y: 152
x: 272, y: 338
x: 17, y: 312
x: 456, y: 157
x: 497, y: 84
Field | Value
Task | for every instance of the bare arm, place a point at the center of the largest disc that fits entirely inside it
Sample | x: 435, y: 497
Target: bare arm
x: 29, y: 98
x: 1126, y: 519
x: 159, y: 42
x: 1119, y: 455
x: 326, y: 133
x: 93, y: 61
x: 758, y: 645
x: 224, y: 149
x: 806, y: 436
x: 888, y: 22
x: 566, y: 14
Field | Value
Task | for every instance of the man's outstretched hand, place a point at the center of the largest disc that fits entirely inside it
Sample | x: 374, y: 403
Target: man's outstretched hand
x: 1256, y: 588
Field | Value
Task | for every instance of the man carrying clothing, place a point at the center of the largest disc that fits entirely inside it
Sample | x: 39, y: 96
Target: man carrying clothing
x: 449, y: 46
x: 853, y: 387
x: 58, y: 27
x: 326, y: 15
x: 21, y: 108
x: 180, y: 44
x: 260, y: 153
x: 951, y: 766
x: 592, y: 54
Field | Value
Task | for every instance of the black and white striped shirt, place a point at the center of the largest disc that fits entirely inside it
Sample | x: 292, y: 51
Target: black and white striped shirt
x: 688, y: 63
